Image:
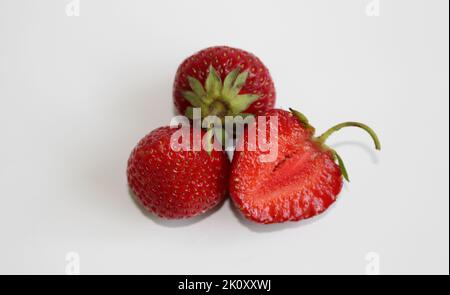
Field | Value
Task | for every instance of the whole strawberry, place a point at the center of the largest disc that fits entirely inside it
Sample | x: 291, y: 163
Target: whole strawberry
x: 176, y: 184
x: 223, y: 81
x: 302, y: 182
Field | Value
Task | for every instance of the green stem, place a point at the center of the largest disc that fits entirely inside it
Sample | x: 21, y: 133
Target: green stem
x: 333, y: 129
x: 218, y: 108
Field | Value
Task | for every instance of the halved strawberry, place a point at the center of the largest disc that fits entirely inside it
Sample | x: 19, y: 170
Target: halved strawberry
x: 302, y: 182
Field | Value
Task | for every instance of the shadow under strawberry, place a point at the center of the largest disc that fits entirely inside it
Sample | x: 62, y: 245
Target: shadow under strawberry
x: 274, y: 227
x: 173, y: 223
x: 362, y: 146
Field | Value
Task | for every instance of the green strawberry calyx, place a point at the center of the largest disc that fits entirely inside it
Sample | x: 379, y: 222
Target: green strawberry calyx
x: 217, y: 97
x: 322, y: 138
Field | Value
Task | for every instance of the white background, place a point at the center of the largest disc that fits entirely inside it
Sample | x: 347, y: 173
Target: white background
x: 77, y: 93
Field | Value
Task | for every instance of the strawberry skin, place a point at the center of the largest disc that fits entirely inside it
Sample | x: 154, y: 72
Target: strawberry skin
x: 302, y: 182
x: 176, y: 184
x: 254, y: 93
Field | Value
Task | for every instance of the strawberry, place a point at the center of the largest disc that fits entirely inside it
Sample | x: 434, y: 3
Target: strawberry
x: 302, y: 182
x: 223, y: 81
x: 176, y: 184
